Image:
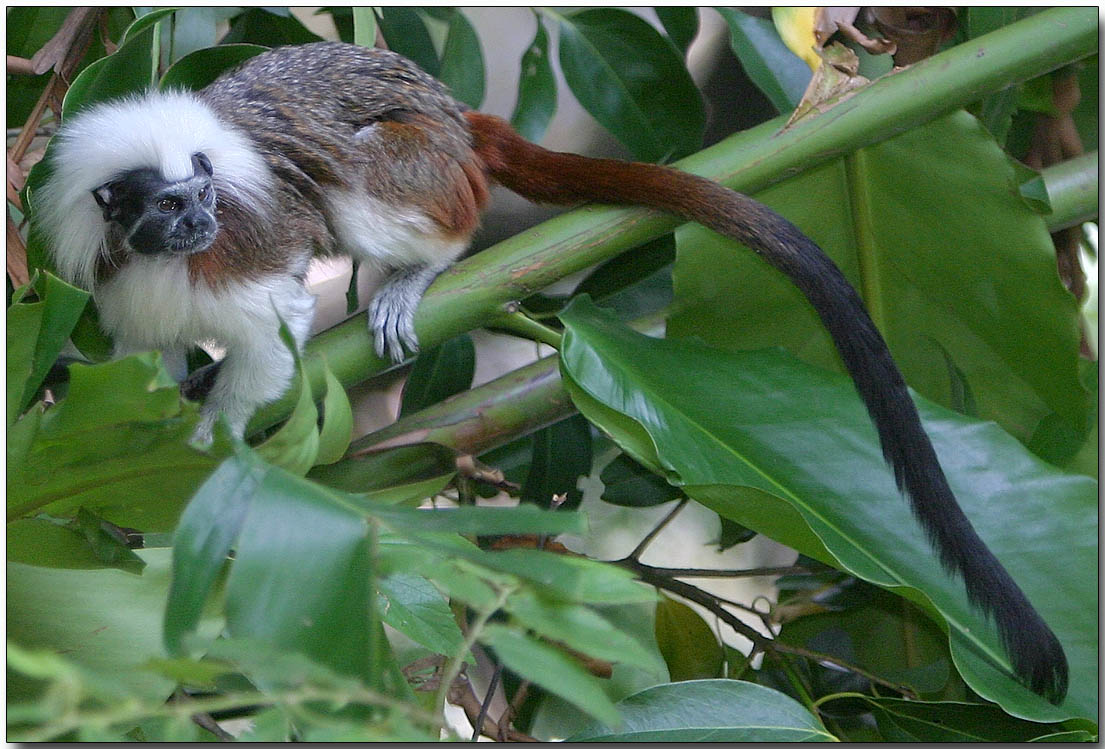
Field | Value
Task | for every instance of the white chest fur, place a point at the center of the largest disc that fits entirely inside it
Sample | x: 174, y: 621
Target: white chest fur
x: 151, y: 303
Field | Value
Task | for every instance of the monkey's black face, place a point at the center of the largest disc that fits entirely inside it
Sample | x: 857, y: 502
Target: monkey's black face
x: 158, y: 216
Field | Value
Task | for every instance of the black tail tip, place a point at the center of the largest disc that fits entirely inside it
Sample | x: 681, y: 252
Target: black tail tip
x: 1037, y: 657
x: 1045, y: 672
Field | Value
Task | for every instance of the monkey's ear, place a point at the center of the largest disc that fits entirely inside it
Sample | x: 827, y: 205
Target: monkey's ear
x: 200, y: 161
x: 102, y: 194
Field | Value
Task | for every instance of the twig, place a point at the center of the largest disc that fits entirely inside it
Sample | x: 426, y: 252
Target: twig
x: 507, y: 717
x: 759, y: 641
x: 462, y: 695
x: 636, y: 553
x: 453, y: 666
x: 207, y: 723
x: 700, y: 572
x: 477, y: 726
x: 20, y: 66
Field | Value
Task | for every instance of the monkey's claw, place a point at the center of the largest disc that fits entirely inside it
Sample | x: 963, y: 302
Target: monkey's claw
x: 391, y: 311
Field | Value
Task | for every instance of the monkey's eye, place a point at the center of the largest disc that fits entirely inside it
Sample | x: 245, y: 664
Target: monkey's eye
x: 168, y: 205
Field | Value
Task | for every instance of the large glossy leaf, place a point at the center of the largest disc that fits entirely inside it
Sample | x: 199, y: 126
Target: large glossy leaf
x: 929, y: 228
x: 710, y: 710
x: 632, y: 80
x: 127, y: 70
x: 720, y: 421
x: 268, y: 27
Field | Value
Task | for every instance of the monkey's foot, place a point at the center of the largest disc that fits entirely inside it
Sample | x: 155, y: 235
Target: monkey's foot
x: 391, y: 311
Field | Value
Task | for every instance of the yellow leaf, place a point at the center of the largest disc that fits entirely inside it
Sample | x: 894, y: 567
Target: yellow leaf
x: 797, y: 28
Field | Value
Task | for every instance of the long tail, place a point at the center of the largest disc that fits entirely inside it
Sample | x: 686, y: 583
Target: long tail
x: 546, y: 176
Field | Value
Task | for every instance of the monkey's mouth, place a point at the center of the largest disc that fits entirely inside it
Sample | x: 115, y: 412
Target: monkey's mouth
x: 190, y: 245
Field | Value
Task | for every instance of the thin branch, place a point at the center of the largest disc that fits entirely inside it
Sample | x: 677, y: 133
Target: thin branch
x: 207, y: 723
x: 477, y: 726
x: 518, y: 323
x: 707, y: 572
x: 462, y: 695
x: 512, y: 709
x: 636, y: 553
x: 759, y: 641
x: 20, y: 66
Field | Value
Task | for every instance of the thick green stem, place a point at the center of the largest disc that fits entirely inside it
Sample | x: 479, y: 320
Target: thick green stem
x: 1072, y: 190
x: 480, y: 288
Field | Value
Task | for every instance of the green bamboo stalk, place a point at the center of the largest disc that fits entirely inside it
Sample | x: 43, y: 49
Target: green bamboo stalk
x: 1072, y: 191
x: 474, y: 421
x: 479, y: 289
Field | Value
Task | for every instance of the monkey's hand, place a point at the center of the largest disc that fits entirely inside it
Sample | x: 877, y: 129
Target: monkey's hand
x: 391, y: 311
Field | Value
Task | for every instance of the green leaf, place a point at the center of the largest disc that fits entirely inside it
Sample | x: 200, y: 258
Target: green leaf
x: 364, y: 27
x: 568, y: 578
x: 104, y: 619
x: 680, y: 23
x: 898, y: 233
x: 48, y: 543
x: 688, y: 644
x: 780, y: 74
x: 268, y: 28
x: 199, y: 68
x: 536, y: 102
x: 627, y: 483
x: 956, y: 722
x: 415, y: 608
x: 294, y: 446
x: 337, y: 421
x: 397, y: 468
x: 462, y: 61
x: 630, y: 79
x: 550, y: 669
x: 438, y: 373
x: 713, y: 710
x: 129, y: 463
x: 561, y: 454
x: 146, y: 21
x: 107, y: 542
x: 306, y: 592
x: 580, y: 628
x: 405, y: 32
x: 634, y: 284
x: 721, y: 421
x: 485, y: 521
x: 126, y: 71
x: 36, y: 334
x: 202, y: 542
x: 882, y: 633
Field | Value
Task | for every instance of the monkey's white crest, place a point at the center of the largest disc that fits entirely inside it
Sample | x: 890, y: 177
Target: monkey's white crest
x: 159, y: 130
